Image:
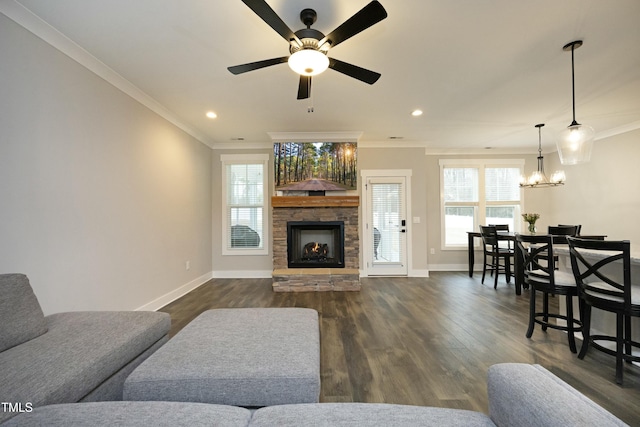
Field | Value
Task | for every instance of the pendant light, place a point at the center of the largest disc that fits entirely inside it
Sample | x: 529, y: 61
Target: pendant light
x: 576, y: 141
x: 538, y: 178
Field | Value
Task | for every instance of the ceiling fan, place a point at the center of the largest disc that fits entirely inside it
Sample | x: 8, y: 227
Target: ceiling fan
x: 308, y: 47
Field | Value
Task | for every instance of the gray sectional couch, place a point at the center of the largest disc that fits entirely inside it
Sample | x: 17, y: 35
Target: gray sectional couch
x: 68, y: 357
x: 520, y: 395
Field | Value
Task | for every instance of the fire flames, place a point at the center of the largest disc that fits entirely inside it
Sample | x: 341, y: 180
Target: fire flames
x: 315, y: 250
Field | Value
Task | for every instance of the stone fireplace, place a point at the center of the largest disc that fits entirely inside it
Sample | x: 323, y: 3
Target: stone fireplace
x: 309, y: 232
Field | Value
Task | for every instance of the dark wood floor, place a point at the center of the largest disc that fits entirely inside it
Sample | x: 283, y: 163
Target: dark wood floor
x: 424, y: 341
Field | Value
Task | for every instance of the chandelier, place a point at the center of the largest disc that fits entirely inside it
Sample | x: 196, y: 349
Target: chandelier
x: 538, y: 178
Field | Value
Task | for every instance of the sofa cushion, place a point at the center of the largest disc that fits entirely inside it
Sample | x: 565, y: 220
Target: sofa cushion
x: 21, y: 318
x: 364, y: 415
x: 133, y: 414
x: 522, y: 395
x: 79, y: 352
x: 236, y: 356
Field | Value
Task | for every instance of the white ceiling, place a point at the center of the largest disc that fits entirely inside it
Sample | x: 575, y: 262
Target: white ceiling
x: 483, y: 71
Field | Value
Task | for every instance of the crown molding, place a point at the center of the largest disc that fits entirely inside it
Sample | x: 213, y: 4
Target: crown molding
x: 476, y: 151
x: 41, y: 29
x: 630, y: 127
x: 242, y: 145
x: 393, y: 143
x: 346, y: 136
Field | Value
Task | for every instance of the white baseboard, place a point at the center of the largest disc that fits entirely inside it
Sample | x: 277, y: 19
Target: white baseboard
x: 419, y: 273
x: 167, y: 298
x: 243, y: 274
x: 412, y: 273
x: 449, y: 267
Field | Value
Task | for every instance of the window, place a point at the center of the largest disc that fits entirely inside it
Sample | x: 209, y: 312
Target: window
x: 244, y: 218
x: 475, y: 192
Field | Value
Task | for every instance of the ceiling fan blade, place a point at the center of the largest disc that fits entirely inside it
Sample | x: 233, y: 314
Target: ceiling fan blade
x: 239, y: 69
x: 366, y: 17
x: 354, y: 71
x: 268, y: 15
x: 304, y: 88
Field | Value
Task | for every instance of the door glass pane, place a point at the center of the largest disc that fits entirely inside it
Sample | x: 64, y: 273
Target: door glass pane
x: 386, y: 202
x: 458, y: 220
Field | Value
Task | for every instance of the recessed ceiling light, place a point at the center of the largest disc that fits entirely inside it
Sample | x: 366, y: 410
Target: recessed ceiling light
x: 211, y: 115
x: 416, y: 113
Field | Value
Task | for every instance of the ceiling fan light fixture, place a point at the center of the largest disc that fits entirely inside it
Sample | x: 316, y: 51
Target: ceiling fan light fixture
x: 308, y: 62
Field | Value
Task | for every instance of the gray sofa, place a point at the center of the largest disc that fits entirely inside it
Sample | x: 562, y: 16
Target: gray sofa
x: 67, y: 357
x: 520, y: 395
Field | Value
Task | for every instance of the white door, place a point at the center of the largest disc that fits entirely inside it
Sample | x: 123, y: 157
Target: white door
x: 386, y: 226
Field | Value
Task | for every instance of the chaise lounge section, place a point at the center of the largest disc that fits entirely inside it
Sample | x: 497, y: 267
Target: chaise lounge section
x: 68, y: 357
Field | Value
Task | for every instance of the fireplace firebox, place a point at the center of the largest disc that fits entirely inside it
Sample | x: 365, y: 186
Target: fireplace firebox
x: 315, y: 244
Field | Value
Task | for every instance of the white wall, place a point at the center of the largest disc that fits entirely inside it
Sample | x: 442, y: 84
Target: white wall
x: 102, y: 202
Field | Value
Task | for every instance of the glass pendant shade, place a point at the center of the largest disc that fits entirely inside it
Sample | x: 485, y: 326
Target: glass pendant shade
x: 575, y: 144
x: 308, y: 62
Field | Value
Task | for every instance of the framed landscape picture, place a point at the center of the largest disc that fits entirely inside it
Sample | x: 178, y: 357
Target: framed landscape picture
x: 315, y: 166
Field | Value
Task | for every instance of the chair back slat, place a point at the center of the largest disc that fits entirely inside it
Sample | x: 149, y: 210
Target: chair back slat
x: 563, y: 230
x: 500, y: 227
x: 577, y: 226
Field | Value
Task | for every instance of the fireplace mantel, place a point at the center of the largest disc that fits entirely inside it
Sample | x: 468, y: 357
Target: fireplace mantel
x: 314, y: 201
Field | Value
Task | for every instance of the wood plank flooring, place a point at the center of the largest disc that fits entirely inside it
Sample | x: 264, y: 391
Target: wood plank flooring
x: 424, y: 341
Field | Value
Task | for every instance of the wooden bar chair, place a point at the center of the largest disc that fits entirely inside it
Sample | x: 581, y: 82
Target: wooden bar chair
x: 602, y: 269
x: 493, y: 254
x: 544, y: 278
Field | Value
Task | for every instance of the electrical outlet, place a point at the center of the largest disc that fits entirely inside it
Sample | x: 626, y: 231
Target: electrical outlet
x: 187, y: 265
x: 432, y: 251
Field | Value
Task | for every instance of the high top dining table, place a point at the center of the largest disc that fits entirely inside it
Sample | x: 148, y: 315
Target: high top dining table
x: 518, y: 261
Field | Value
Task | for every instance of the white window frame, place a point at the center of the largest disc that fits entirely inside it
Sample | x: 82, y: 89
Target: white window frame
x: 481, y: 205
x: 246, y: 159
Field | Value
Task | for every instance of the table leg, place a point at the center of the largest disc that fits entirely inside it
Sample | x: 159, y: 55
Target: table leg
x: 518, y: 264
x: 471, y: 255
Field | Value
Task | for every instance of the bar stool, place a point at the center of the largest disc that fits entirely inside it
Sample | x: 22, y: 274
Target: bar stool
x: 542, y: 276
x: 602, y: 270
x: 493, y: 253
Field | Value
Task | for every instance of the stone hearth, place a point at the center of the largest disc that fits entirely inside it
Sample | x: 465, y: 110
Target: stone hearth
x: 316, y: 208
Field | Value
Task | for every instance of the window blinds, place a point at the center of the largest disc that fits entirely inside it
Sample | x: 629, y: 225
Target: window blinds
x: 245, y: 205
